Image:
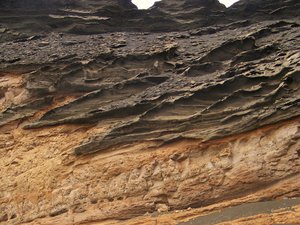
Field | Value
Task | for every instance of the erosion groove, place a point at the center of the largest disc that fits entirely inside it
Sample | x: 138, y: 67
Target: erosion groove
x: 109, y: 113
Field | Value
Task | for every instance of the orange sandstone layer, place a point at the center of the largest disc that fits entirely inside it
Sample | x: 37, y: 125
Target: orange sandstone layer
x: 43, y: 181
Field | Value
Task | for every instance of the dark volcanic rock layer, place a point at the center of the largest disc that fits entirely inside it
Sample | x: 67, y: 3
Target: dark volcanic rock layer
x: 25, y: 18
x: 203, y: 108
x: 161, y: 87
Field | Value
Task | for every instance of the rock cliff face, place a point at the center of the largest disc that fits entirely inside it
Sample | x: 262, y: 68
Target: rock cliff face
x: 109, y: 113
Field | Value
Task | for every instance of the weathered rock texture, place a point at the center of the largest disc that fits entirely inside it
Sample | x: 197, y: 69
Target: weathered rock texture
x: 202, y: 111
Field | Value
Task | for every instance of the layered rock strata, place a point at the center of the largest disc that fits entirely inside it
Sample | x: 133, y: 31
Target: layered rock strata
x: 105, y: 127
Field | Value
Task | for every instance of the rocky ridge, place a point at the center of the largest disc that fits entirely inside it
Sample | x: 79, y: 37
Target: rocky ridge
x: 109, y: 112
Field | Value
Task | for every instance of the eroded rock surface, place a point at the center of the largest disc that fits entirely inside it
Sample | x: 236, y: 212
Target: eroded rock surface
x: 202, y: 111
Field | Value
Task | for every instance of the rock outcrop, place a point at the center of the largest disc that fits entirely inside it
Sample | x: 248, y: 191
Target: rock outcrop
x: 109, y: 112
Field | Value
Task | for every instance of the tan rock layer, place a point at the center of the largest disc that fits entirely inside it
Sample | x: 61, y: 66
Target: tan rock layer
x: 284, y: 215
x: 43, y: 179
